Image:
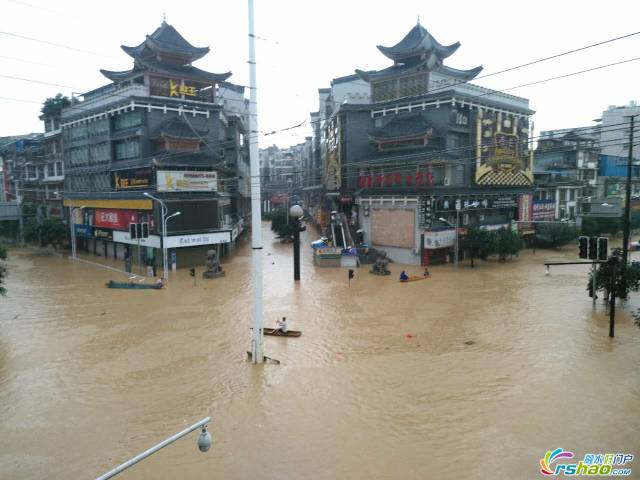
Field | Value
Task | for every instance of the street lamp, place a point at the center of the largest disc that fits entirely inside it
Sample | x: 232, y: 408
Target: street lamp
x: 165, y: 210
x: 204, y: 444
x: 74, y: 249
x: 296, y: 212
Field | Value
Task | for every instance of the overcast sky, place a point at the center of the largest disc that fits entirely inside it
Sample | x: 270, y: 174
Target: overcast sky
x: 304, y: 45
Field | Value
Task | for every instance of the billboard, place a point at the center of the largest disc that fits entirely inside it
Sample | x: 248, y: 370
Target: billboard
x: 544, y: 210
x: 115, y: 219
x: 134, y: 178
x: 502, y: 149
x: 179, y: 181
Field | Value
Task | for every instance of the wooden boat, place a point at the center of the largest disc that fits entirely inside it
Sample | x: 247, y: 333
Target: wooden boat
x: 277, y: 333
x: 131, y: 285
x: 414, y: 278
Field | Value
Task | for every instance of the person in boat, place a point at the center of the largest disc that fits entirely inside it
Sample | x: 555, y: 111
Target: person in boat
x: 159, y: 282
x: 403, y: 276
x: 426, y: 273
x: 282, y: 325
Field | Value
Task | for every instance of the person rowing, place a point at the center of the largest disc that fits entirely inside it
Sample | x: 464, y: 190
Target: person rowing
x: 282, y: 325
x: 403, y: 276
x: 426, y: 273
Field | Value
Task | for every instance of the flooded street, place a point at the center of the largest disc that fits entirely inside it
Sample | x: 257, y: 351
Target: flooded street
x: 90, y: 376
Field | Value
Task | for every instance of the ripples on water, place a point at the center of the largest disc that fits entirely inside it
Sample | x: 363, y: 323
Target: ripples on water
x: 90, y: 376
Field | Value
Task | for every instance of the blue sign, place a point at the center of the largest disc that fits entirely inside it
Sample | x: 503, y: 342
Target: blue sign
x: 83, y: 230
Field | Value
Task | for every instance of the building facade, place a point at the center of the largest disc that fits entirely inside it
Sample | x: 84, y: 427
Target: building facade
x: 413, y: 150
x: 164, y: 128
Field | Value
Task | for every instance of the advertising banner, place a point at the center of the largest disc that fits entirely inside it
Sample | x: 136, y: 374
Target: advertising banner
x: 103, y: 233
x: 440, y: 239
x: 131, y: 179
x: 174, y: 181
x: 115, y: 219
x: 525, y: 210
x: 195, y: 240
x: 544, y: 210
x: 124, y: 237
x: 83, y: 230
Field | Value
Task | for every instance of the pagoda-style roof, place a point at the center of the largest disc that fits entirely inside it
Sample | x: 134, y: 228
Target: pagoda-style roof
x: 408, y: 126
x: 418, y: 43
x: 166, y: 40
x: 179, y: 71
x: 178, y: 128
x: 418, y: 51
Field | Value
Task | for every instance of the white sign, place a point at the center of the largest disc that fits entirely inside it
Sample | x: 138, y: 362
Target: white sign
x: 439, y: 239
x: 124, y: 237
x: 173, y: 181
x: 194, y: 240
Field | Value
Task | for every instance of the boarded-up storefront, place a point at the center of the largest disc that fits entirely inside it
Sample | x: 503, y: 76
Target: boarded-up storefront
x: 393, y: 227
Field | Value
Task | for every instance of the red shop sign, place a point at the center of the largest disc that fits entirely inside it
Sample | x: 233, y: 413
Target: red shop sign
x: 116, y: 219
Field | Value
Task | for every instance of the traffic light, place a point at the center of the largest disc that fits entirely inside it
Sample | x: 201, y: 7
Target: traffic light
x: 145, y: 230
x: 351, y: 274
x: 132, y: 231
x: 593, y: 248
x: 583, y: 247
x: 192, y: 272
x: 603, y: 248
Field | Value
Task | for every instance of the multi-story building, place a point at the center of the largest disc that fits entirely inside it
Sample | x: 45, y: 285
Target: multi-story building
x: 405, y: 145
x: 565, y: 171
x: 166, y: 128
x: 614, y: 151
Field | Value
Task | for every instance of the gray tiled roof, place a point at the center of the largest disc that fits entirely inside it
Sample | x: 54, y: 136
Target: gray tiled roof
x: 417, y: 41
x: 167, y: 39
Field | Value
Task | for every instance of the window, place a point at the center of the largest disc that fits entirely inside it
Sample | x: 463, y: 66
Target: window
x: 78, y: 132
x: 127, y: 149
x: 127, y: 120
x: 99, y: 127
x: 459, y: 174
x: 465, y: 219
x: 78, y: 156
x: 51, y: 170
x: 100, y: 153
x: 59, y: 169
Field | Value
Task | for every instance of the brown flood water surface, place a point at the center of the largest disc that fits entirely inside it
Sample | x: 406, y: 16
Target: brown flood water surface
x: 503, y: 363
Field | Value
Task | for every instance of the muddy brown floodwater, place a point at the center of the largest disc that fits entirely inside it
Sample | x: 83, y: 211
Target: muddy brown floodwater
x: 503, y: 363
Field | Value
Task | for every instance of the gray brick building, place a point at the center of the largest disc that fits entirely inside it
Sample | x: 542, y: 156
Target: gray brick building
x: 167, y: 128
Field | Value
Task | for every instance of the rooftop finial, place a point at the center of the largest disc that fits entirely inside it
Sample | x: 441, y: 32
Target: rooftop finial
x: 418, y: 19
x: 164, y: 17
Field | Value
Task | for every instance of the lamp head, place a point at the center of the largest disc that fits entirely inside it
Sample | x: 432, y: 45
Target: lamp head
x: 296, y: 211
x: 204, y: 440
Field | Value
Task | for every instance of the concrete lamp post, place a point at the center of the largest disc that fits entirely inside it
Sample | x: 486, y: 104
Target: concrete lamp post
x: 296, y: 212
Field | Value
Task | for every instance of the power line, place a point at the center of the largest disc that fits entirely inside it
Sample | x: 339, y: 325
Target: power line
x: 54, y: 44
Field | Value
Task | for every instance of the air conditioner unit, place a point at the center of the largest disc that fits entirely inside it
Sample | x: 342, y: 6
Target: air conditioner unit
x: 446, y: 181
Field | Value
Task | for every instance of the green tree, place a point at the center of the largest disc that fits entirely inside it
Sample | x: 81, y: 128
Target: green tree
x: 507, y: 243
x: 552, y: 235
x: 605, y: 272
x: 478, y: 243
x: 53, y: 106
x: 3, y: 269
x: 53, y: 231
x: 280, y: 225
x: 595, y: 227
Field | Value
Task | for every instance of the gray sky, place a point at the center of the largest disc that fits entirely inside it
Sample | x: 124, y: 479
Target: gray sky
x: 306, y: 44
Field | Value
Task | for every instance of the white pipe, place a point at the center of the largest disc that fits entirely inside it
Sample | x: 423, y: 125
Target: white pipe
x: 152, y: 450
x: 257, y: 351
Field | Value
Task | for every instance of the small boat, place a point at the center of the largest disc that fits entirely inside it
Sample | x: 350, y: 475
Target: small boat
x: 414, y: 278
x: 131, y: 285
x: 276, y: 332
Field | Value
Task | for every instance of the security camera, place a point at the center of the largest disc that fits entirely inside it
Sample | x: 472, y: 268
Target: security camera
x: 204, y: 440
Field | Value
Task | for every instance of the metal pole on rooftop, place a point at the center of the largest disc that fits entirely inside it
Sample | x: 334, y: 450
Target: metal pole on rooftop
x: 257, y: 354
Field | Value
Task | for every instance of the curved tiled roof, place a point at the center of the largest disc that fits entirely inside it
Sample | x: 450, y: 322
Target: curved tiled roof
x: 167, y: 39
x: 418, y: 41
x: 183, y: 71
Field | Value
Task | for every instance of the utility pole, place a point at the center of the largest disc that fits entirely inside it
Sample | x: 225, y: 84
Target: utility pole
x: 20, y: 219
x: 612, y: 297
x: 627, y: 211
x: 257, y: 351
